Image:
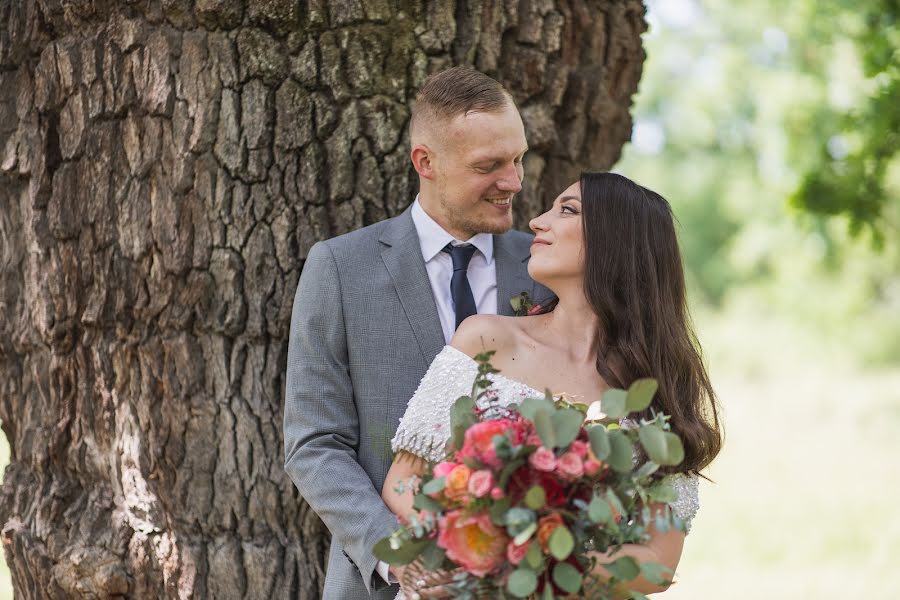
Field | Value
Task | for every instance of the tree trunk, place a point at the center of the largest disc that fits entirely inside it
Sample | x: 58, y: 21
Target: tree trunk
x: 165, y: 165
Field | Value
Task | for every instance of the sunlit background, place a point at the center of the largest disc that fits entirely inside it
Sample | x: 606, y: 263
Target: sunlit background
x: 800, y: 320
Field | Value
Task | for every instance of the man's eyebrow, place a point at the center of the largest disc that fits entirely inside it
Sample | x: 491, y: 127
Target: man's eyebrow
x: 484, y: 159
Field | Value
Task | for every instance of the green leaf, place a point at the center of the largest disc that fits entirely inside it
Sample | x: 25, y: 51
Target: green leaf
x: 662, y: 492
x: 462, y: 416
x: 423, y: 502
x: 530, y: 407
x: 614, y: 502
x: 625, y: 568
x: 674, y: 449
x: 536, y: 498
x: 507, y: 472
x: 647, y: 469
x: 599, y: 441
x: 543, y: 423
x: 432, y: 557
x: 526, y: 533
x: 598, y: 511
x: 534, y: 557
x: 434, y: 486
x: 561, y: 543
x: 566, y: 424
x: 521, y: 583
x: 640, y: 394
x: 498, y: 511
x: 548, y: 593
x: 405, y: 554
x: 613, y: 403
x: 567, y: 577
x: 653, y: 439
x: 656, y: 573
x: 620, y: 451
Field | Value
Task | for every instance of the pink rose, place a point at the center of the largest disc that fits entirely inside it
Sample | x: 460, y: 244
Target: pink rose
x: 515, y: 553
x: 478, y: 443
x: 543, y: 459
x: 533, y: 439
x: 570, y: 465
x: 580, y: 448
x: 473, y: 542
x: 497, y: 493
x: 480, y: 483
x: 594, y: 468
x: 443, y: 469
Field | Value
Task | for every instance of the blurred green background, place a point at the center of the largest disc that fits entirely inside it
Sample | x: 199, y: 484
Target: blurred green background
x: 772, y: 128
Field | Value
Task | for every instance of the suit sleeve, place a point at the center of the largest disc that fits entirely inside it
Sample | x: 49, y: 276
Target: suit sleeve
x: 321, y: 423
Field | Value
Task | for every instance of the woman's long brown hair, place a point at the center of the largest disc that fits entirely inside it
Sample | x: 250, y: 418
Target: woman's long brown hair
x: 634, y: 280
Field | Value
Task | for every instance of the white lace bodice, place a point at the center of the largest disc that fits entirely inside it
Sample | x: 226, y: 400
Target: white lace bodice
x: 425, y: 426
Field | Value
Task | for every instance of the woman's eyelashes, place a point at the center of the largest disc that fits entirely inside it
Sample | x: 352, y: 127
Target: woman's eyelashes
x: 568, y: 209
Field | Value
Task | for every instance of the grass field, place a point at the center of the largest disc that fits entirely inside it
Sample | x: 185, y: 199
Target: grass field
x: 804, y: 503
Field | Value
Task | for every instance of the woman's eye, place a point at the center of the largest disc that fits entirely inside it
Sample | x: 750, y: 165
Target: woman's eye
x: 568, y: 209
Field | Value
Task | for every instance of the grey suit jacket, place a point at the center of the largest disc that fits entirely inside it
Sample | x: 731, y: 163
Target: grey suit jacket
x: 363, y: 331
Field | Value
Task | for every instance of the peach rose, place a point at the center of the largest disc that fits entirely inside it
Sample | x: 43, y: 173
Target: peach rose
x: 546, y: 526
x: 543, y: 459
x: 472, y: 541
x: 480, y: 483
x: 443, y: 469
x: 515, y: 553
x: 458, y: 483
x: 570, y: 465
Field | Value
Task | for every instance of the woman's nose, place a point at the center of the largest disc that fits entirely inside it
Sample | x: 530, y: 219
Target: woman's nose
x: 537, y: 223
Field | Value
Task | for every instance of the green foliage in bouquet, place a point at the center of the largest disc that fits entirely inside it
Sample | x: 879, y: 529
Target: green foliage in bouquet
x: 531, y: 499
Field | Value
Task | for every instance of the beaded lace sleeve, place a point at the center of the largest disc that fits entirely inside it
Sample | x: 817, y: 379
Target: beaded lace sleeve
x: 687, y: 504
x: 425, y: 426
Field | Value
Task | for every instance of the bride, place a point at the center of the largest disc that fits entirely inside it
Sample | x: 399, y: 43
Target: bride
x: 607, y: 248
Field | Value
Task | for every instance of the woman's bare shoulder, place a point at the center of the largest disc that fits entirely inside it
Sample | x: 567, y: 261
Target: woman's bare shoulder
x: 480, y: 333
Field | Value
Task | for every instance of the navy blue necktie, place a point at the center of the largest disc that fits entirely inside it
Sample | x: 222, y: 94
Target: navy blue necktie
x: 463, y: 300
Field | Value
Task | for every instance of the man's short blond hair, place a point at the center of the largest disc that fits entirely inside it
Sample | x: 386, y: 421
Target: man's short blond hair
x: 453, y: 92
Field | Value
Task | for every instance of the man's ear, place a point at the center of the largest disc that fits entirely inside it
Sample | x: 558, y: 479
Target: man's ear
x: 422, y: 158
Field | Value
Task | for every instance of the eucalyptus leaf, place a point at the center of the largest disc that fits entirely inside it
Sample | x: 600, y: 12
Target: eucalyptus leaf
x: 614, y: 502
x: 548, y: 593
x: 498, y: 511
x: 534, y: 557
x: 613, y: 403
x: 530, y: 406
x: 620, y: 451
x: 647, y: 469
x: 435, y: 486
x: 462, y: 416
x: 640, y: 394
x: 674, y: 449
x: 653, y: 439
x: 624, y: 568
x: 598, y: 511
x: 543, y: 423
x: 561, y: 543
x: 656, y: 573
x: 521, y: 583
x: 432, y: 557
x: 662, y: 492
x: 599, y: 441
x: 567, y: 577
x: 405, y: 554
x: 423, y: 502
x: 536, y: 498
x: 525, y: 534
x: 566, y: 424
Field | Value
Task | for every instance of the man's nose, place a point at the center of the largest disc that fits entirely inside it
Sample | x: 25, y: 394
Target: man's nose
x: 510, y: 180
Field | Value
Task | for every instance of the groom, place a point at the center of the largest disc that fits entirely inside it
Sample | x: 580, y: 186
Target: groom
x: 375, y: 306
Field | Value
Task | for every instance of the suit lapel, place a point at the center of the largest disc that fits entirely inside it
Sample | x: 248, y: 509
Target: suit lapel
x: 512, y: 271
x: 402, y: 257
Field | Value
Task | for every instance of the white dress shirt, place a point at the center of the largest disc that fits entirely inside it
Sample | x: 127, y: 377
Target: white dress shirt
x: 482, y: 274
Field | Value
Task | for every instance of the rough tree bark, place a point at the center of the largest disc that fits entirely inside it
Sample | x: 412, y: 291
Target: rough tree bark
x: 165, y: 165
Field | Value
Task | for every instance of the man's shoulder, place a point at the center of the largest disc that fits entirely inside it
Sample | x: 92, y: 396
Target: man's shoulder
x: 517, y: 239
x: 359, y: 239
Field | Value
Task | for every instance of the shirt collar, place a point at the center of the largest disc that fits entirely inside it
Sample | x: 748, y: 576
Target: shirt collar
x: 433, y: 237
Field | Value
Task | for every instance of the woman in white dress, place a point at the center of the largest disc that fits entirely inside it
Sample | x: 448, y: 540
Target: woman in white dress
x: 607, y: 248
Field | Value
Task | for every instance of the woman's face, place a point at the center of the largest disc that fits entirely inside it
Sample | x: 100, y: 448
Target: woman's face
x: 557, y: 252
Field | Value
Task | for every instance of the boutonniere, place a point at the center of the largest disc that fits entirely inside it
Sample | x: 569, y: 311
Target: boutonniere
x: 523, y: 306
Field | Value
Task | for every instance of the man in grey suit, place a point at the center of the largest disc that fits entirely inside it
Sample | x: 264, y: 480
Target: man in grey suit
x: 375, y: 306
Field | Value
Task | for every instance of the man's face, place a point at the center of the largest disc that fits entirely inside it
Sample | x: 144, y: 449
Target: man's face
x: 477, y: 170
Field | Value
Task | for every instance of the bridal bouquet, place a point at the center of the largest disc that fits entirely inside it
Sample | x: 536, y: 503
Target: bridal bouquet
x: 530, y: 498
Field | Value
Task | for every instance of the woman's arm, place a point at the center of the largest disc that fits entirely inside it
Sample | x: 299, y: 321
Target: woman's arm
x: 406, y: 467
x: 663, y: 548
